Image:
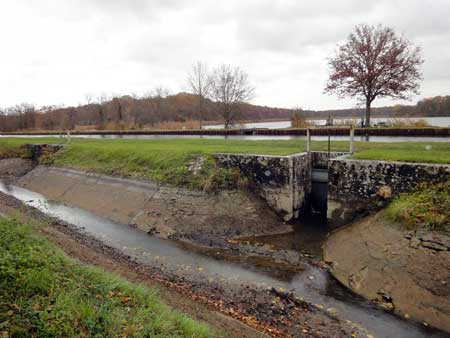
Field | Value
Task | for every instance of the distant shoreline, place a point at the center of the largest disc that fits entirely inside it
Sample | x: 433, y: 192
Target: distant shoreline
x: 377, y: 116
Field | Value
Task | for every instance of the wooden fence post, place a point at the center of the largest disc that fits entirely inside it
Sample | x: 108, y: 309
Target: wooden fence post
x: 352, y: 140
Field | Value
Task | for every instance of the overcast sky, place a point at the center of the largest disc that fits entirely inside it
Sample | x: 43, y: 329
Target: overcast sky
x: 56, y: 52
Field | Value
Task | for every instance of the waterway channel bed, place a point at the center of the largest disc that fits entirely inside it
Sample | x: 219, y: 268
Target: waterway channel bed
x: 227, y: 280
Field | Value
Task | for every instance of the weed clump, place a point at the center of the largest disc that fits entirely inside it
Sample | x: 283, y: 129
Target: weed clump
x: 428, y: 207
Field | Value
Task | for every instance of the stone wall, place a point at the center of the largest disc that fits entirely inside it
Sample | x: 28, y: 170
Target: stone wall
x: 283, y: 181
x: 301, y: 182
x: 357, y: 187
x: 36, y: 151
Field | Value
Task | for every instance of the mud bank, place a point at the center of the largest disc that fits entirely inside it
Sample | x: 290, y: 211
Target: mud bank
x: 159, y: 210
x: 407, y: 272
x: 207, y: 223
x: 15, y: 167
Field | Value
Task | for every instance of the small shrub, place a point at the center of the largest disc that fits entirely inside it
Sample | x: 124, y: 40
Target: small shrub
x: 222, y: 178
x: 428, y: 207
x: 407, y: 123
x: 299, y: 121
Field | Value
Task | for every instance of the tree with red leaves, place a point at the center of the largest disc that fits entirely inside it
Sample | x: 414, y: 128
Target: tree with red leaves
x: 375, y: 62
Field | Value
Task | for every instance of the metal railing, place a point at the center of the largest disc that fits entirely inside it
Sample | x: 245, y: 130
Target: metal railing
x: 352, y: 140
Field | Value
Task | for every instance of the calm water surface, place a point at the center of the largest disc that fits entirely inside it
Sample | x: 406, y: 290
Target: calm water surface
x: 433, y: 121
x: 255, y: 137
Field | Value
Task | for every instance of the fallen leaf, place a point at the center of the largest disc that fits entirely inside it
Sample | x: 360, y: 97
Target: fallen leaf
x: 37, y: 307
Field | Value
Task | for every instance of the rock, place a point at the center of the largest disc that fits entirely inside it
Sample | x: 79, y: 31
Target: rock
x: 415, y: 243
x: 434, y: 246
x: 409, y: 234
x: 385, y: 300
x: 427, y: 237
x: 355, y: 281
x: 152, y: 231
x: 385, y: 295
x: 197, y: 165
x: 385, y: 192
x: 441, y: 239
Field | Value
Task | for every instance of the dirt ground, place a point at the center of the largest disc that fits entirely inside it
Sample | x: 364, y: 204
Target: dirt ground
x: 15, y: 167
x: 163, y: 211
x: 407, y: 272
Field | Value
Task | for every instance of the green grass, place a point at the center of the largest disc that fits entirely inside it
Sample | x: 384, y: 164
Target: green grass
x: 166, y: 160
x: 424, y: 152
x: 44, y: 293
x: 428, y: 207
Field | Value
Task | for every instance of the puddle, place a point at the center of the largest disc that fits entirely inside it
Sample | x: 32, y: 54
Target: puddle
x: 307, y: 237
x: 313, y: 284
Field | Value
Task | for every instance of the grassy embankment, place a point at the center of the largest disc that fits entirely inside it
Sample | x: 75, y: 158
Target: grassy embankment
x: 427, y: 208
x: 167, y: 160
x: 44, y: 293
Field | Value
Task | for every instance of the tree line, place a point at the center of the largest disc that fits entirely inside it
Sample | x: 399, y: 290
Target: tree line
x: 138, y: 112
x: 127, y: 112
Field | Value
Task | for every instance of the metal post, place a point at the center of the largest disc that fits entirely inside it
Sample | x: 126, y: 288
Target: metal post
x: 308, y: 140
x: 68, y: 136
x: 329, y: 144
x: 352, y: 139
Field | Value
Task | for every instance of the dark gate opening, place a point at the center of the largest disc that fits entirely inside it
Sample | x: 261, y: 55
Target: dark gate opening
x: 319, y: 191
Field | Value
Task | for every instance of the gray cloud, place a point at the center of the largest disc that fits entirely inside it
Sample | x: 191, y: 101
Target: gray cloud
x: 127, y: 46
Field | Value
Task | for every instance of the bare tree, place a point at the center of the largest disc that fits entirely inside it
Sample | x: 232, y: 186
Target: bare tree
x: 26, y: 115
x: 160, y: 93
x: 298, y: 118
x: 199, y: 84
x: 69, y: 120
x: 375, y: 62
x: 229, y: 88
x: 118, y: 110
x: 88, y: 98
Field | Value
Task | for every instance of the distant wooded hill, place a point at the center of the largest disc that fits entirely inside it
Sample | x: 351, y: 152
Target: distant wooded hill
x: 180, y: 110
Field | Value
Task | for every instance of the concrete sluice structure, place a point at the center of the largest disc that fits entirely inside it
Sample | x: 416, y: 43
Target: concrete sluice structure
x: 332, y: 183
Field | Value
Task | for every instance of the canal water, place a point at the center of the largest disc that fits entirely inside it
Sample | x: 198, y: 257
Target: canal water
x: 315, y: 285
x: 255, y: 137
x: 432, y: 121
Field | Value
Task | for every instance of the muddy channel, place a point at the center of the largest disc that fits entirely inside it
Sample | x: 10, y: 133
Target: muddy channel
x: 277, y: 280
